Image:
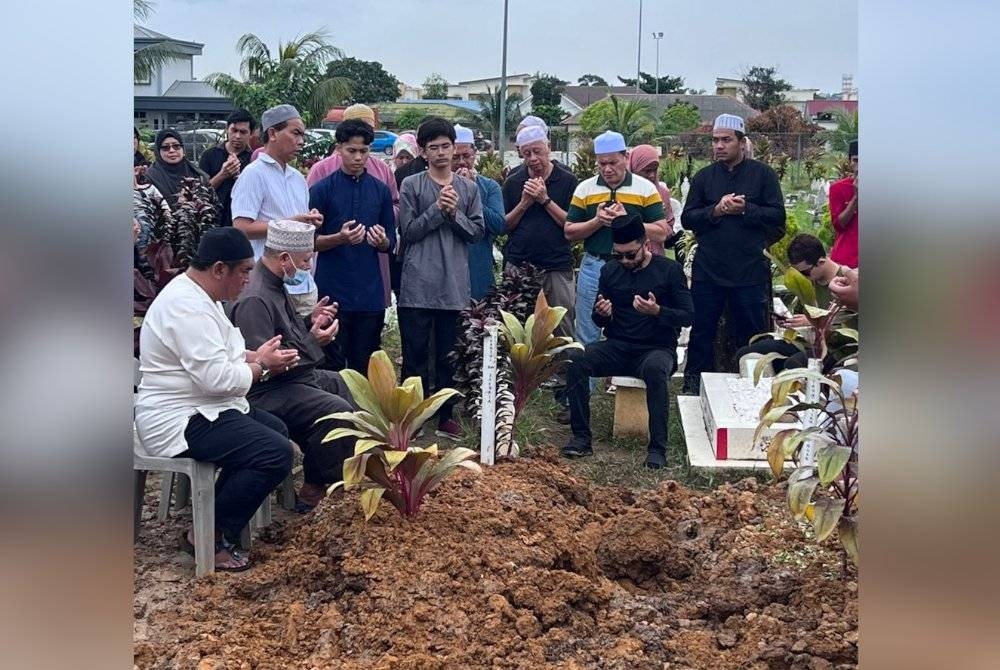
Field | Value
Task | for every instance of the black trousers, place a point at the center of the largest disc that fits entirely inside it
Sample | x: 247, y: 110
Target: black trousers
x: 614, y: 357
x: 420, y: 331
x: 299, y: 402
x: 254, y: 455
x: 747, y: 316
x: 360, y: 336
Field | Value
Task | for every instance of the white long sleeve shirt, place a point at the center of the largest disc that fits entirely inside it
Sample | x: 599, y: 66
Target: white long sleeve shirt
x: 193, y: 360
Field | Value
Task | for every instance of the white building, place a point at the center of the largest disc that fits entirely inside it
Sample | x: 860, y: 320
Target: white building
x: 472, y: 89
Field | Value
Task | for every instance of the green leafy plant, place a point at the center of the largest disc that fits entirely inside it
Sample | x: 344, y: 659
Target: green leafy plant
x: 490, y: 164
x: 585, y: 166
x: 825, y: 492
x: 384, y: 464
x: 533, y: 351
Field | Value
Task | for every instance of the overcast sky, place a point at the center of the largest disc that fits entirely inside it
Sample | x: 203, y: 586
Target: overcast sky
x: 812, y: 42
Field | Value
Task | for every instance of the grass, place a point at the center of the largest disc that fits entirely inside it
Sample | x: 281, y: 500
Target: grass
x: 616, y: 461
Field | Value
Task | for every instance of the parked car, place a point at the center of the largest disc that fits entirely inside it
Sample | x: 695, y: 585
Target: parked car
x: 384, y: 141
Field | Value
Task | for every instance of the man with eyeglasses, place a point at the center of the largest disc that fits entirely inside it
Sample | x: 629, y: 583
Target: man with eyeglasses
x: 642, y: 303
x: 807, y: 255
x: 440, y: 215
x: 463, y: 162
x: 598, y: 201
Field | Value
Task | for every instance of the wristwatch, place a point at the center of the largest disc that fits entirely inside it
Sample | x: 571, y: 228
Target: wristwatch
x: 265, y: 373
x: 546, y: 202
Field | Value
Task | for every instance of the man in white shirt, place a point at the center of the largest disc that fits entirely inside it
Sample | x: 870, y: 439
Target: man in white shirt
x: 196, y: 372
x: 271, y: 189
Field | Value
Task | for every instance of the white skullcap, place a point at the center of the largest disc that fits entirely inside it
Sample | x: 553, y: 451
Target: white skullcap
x: 464, y: 135
x: 531, y: 121
x: 530, y: 134
x: 609, y: 142
x: 728, y: 122
x: 288, y: 235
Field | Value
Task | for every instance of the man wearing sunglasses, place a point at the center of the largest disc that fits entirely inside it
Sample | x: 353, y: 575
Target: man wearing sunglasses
x: 642, y: 303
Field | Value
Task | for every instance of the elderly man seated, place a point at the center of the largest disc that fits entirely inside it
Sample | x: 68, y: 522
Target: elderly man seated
x: 300, y: 394
x: 196, y: 372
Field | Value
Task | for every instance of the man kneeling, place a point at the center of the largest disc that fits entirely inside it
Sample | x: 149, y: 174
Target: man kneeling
x: 300, y: 394
x: 642, y: 302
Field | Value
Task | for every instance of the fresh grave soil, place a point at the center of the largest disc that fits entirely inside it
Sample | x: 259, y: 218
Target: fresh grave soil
x: 525, y: 566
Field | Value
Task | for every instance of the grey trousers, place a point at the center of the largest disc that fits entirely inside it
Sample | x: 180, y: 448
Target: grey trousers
x: 560, y: 291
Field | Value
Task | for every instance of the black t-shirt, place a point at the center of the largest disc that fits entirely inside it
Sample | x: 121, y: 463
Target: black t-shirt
x: 416, y: 166
x: 538, y: 239
x: 211, y: 162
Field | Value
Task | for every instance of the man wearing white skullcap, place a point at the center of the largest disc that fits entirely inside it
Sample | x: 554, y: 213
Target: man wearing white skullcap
x: 598, y: 201
x: 463, y: 163
x: 301, y: 394
x: 736, y: 210
x: 536, y: 197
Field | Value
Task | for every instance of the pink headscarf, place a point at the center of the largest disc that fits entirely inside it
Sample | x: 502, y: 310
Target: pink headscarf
x: 640, y: 157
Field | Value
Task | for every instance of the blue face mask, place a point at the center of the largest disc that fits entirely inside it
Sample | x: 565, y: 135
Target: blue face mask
x: 296, y: 279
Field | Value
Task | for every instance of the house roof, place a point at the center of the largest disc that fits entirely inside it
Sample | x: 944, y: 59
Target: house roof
x: 814, y: 107
x: 192, y: 89
x: 143, y: 36
x: 709, y: 106
x: 473, y: 81
x: 467, y: 105
x: 584, y: 96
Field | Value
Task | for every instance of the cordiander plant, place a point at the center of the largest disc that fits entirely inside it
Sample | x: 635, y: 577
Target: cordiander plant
x: 384, y: 464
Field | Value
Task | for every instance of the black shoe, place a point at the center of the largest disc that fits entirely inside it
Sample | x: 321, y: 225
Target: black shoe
x: 692, y: 385
x: 577, y: 448
x: 655, y: 460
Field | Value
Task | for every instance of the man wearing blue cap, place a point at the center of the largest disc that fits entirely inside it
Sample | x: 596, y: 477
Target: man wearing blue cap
x: 642, y: 302
x: 598, y: 201
x: 736, y: 210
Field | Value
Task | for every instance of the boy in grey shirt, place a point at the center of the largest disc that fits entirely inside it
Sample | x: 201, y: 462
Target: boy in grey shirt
x: 440, y: 214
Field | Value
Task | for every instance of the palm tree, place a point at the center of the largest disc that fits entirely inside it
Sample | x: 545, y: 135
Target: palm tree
x: 147, y: 59
x: 295, y: 75
x: 632, y: 118
x: 845, y: 132
x: 489, y: 116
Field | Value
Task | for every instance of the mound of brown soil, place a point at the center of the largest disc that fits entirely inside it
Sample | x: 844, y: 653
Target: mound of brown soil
x: 523, y: 567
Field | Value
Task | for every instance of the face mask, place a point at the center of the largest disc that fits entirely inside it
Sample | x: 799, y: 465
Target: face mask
x: 297, y: 278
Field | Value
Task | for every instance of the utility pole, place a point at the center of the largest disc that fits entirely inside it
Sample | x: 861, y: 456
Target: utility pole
x: 657, y: 36
x: 638, y: 52
x: 502, y: 140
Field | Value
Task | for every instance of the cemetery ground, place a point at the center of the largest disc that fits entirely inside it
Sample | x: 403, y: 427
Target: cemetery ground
x: 539, y: 562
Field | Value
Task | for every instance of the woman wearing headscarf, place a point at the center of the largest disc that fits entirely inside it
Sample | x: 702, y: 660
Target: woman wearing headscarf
x: 645, y: 162
x: 404, y: 150
x: 171, y: 167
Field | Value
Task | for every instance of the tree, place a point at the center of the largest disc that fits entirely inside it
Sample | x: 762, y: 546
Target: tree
x: 435, y: 87
x: 295, y: 76
x: 679, y: 117
x: 546, y: 89
x: 845, y: 132
x: 632, y: 118
x: 591, y: 80
x: 762, y: 89
x: 410, y: 118
x: 489, y: 117
x: 647, y: 83
x: 550, y: 114
x: 786, y: 128
x: 371, y: 82
x: 147, y: 59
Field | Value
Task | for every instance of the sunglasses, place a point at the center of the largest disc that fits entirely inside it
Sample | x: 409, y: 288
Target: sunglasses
x: 170, y: 147
x: 628, y: 255
x: 805, y: 272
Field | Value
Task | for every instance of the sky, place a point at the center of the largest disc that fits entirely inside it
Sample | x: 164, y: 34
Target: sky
x: 811, y: 42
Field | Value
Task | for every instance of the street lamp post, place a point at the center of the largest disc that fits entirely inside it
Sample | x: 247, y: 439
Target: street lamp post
x: 638, y: 52
x: 501, y: 143
x: 657, y: 37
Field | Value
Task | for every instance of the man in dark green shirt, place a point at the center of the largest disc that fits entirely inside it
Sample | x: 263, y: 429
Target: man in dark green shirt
x: 642, y: 302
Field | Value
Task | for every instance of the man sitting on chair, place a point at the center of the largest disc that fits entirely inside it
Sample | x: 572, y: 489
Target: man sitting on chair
x: 196, y: 372
x: 642, y: 302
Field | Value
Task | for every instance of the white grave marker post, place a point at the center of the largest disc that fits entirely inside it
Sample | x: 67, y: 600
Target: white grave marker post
x: 812, y: 416
x: 488, y: 406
